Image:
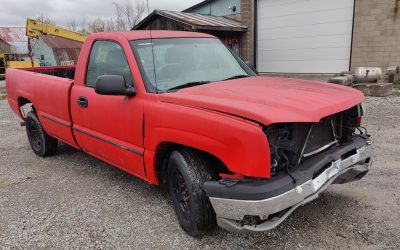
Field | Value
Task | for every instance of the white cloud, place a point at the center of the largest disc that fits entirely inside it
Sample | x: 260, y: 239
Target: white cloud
x: 15, y: 12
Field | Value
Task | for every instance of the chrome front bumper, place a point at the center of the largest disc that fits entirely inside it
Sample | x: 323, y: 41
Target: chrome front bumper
x: 273, y: 211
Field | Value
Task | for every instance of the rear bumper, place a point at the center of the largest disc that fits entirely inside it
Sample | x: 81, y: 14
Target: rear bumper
x: 271, y: 202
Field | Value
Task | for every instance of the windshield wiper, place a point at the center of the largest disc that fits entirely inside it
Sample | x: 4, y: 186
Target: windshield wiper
x: 189, y: 84
x: 236, y: 77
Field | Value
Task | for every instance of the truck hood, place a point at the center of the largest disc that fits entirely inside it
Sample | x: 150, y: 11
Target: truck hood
x: 269, y: 100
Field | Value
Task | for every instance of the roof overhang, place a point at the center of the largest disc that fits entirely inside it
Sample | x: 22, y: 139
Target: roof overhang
x: 196, y: 21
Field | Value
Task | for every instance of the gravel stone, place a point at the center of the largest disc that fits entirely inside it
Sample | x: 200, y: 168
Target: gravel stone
x: 73, y: 200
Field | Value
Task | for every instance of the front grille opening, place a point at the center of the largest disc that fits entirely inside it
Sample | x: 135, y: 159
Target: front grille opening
x: 292, y: 143
x: 321, y: 136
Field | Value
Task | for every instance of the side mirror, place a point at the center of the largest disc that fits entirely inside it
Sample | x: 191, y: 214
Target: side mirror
x: 113, y: 85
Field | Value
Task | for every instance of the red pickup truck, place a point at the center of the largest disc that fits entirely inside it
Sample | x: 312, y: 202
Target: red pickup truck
x: 181, y: 109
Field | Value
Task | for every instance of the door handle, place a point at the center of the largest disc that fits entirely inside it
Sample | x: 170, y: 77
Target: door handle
x: 83, y: 102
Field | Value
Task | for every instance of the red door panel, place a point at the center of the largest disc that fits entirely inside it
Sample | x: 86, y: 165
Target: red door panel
x: 110, y: 128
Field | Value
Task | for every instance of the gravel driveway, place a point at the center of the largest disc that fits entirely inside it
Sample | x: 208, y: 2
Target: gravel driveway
x: 73, y: 200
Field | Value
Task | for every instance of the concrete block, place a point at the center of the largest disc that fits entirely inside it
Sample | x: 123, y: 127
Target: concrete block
x: 391, y: 73
x: 375, y: 89
x: 367, y: 74
x: 345, y: 80
x: 392, y: 70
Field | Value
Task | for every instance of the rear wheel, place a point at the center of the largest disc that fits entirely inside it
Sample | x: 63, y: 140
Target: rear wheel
x: 41, y: 143
x: 187, y: 172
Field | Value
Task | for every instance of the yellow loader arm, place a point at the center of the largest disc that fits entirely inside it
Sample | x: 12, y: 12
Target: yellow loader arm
x: 36, y: 28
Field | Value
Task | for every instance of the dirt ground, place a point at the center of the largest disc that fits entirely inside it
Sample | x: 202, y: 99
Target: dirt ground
x: 72, y: 200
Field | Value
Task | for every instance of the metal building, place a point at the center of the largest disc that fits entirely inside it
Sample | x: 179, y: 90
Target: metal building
x: 15, y: 36
x: 216, y: 7
x: 52, y: 51
x: 5, y: 47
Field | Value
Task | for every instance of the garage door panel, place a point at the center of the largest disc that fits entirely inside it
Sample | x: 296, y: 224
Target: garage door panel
x: 315, y: 30
x: 263, y: 4
x: 305, y: 66
x: 303, y: 19
x: 330, y: 41
x: 323, y: 54
x: 304, y: 36
x: 306, y: 6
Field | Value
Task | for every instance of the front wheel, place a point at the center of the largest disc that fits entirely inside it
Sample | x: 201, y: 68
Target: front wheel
x: 41, y: 143
x: 187, y: 172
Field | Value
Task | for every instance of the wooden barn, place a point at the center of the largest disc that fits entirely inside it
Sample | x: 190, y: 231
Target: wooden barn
x: 228, y: 30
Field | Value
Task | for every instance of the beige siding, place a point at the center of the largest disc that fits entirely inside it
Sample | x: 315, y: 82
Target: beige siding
x: 247, y: 16
x: 376, y: 37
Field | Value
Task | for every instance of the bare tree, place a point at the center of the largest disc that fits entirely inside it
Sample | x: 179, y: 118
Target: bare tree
x: 97, y: 25
x: 72, y: 24
x: 45, y: 19
x: 101, y: 25
x: 111, y: 25
x: 127, y: 14
x: 83, y: 27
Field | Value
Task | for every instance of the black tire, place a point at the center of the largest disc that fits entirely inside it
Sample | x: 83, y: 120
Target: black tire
x: 41, y: 143
x: 187, y: 172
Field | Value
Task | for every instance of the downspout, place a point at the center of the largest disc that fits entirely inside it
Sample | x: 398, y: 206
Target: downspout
x: 352, y: 35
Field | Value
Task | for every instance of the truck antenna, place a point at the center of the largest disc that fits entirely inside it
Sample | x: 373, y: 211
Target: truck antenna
x: 152, y: 50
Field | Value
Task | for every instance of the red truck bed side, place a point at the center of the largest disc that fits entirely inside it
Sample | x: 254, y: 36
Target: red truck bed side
x: 50, y: 97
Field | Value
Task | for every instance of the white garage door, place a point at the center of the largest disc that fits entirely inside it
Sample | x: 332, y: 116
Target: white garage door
x: 304, y: 36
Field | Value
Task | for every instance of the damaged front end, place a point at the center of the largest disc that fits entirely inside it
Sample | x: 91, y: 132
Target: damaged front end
x: 291, y: 143
x: 305, y: 159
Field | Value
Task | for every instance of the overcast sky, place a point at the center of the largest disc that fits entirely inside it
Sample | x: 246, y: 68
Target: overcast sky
x: 15, y: 12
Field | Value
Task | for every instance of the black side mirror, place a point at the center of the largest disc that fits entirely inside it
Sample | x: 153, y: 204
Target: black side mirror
x: 113, y: 85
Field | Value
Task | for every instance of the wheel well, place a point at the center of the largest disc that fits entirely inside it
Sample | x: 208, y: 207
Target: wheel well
x: 22, y: 101
x: 164, y: 151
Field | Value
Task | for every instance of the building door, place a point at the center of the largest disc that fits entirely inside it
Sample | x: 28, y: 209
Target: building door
x: 304, y: 36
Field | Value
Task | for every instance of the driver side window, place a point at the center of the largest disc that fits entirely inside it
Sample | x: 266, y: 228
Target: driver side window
x: 107, y: 58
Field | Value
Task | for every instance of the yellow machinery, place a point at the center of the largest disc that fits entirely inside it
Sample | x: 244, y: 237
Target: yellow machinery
x: 14, y: 61
x: 34, y: 29
x: 2, y: 66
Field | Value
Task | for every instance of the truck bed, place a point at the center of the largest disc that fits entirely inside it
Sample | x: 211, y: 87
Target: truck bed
x: 60, y: 71
x: 48, y: 89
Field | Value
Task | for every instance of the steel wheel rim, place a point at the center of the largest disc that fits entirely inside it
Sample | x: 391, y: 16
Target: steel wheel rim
x: 181, y: 193
x: 34, y: 133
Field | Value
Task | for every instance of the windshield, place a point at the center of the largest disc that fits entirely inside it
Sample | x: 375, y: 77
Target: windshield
x: 186, y: 62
